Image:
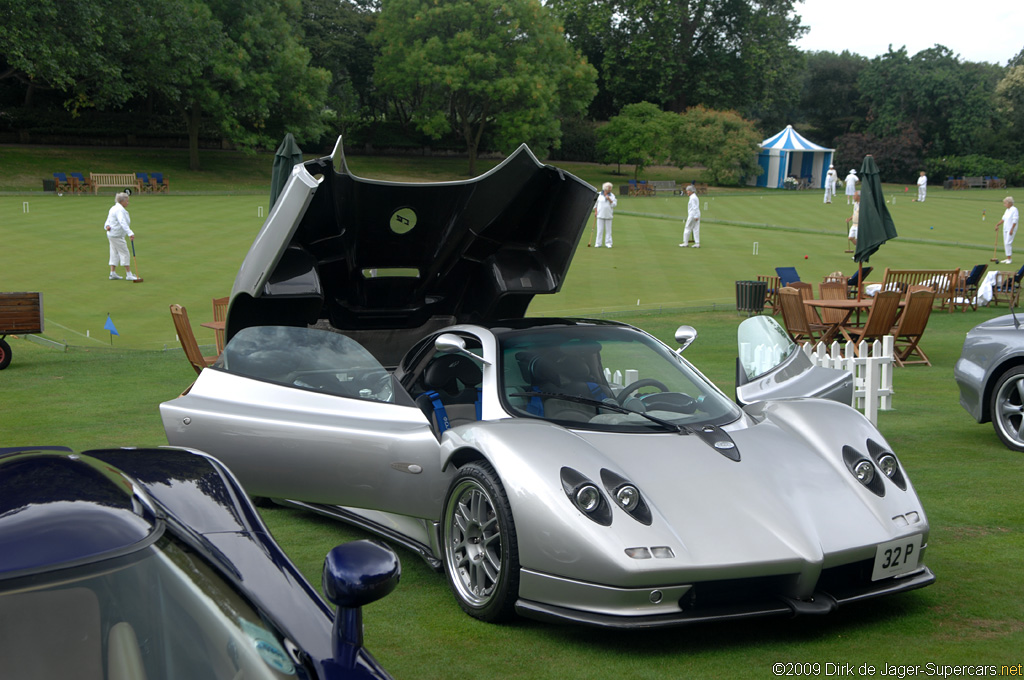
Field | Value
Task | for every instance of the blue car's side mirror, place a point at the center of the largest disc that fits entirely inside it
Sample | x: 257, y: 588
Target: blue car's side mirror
x: 356, y: 574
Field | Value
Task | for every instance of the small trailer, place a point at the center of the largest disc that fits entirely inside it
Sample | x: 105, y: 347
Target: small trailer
x: 20, y: 314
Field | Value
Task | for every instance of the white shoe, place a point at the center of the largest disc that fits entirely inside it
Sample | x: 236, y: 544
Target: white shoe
x: 1006, y: 261
x: 695, y: 246
x: 115, y: 277
x: 131, y: 277
x: 684, y: 245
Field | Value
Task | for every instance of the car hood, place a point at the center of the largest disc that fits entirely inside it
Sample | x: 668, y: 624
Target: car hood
x: 789, y: 505
x: 1005, y: 322
x: 367, y: 255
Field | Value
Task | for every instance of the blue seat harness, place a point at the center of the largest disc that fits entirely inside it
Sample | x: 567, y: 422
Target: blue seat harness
x: 441, y: 414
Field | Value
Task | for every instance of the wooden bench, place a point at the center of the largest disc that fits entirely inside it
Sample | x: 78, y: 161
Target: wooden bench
x: 975, y: 182
x: 661, y: 186
x: 702, y: 188
x: 120, y: 180
x: 20, y: 314
x: 942, y: 281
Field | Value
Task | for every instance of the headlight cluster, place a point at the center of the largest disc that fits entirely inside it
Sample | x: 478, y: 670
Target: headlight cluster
x: 870, y: 469
x: 887, y: 463
x: 589, y: 499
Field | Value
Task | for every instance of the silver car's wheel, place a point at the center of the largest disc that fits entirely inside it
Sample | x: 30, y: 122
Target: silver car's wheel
x: 481, y: 555
x: 1008, y: 408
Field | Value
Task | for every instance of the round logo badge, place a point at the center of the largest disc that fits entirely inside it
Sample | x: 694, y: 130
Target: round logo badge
x: 402, y: 220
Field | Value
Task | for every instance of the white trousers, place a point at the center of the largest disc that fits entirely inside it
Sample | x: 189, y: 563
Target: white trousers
x: 921, y: 191
x: 692, y: 227
x: 118, y: 251
x: 1008, y: 241
x: 604, y: 232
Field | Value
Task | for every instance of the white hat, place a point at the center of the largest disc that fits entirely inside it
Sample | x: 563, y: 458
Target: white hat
x: 853, y: 172
x: 831, y: 166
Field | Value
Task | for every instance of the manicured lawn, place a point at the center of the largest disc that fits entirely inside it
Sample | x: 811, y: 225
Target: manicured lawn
x: 102, y: 393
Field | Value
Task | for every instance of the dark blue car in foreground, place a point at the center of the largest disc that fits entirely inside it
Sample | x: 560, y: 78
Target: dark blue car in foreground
x: 148, y: 564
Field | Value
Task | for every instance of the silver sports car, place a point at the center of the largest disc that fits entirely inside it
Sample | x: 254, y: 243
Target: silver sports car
x: 381, y: 370
x: 990, y: 374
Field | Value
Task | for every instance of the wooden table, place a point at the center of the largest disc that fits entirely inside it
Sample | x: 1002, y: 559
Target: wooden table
x: 218, y: 330
x: 847, y: 305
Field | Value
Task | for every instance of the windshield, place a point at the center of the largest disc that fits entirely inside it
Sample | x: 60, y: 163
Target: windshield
x: 606, y: 377
x: 307, y: 358
x: 161, y: 612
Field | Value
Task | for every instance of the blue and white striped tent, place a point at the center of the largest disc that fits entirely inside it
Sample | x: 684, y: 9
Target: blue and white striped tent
x: 791, y: 154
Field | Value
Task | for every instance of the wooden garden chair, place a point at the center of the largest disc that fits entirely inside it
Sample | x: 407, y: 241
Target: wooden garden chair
x: 832, y: 290
x: 794, y: 316
x: 881, y: 319
x: 966, y: 293
x: 188, y: 339
x: 910, y: 327
x: 220, y: 316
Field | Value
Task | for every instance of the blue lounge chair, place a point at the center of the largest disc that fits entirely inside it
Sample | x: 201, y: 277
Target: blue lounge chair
x: 787, y: 275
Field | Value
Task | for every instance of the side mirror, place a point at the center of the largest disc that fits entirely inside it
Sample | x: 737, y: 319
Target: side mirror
x: 685, y: 335
x: 356, y: 574
x: 449, y: 343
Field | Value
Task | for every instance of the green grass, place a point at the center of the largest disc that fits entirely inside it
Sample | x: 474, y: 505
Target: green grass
x: 102, y: 393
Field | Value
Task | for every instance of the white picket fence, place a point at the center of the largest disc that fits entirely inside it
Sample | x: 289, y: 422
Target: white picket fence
x: 872, y: 371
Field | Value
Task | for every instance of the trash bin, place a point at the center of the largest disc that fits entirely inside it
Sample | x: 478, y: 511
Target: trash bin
x: 750, y: 296
x: 49, y: 185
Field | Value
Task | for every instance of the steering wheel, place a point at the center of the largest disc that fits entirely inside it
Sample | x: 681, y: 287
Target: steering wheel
x: 634, y: 386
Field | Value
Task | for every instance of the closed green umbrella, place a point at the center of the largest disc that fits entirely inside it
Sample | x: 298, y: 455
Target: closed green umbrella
x: 876, y: 226
x: 288, y: 155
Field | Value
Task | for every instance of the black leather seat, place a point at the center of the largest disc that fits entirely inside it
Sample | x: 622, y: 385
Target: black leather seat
x: 451, y: 385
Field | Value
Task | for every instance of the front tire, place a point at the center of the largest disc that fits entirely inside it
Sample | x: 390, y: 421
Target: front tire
x: 1007, y: 408
x: 5, y: 355
x: 481, y: 552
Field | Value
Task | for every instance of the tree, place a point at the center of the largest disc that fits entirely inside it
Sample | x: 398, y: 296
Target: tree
x: 1009, y: 95
x: 638, y: 135
x: 722, y: 141
x: 899, y: 155
x: 728, y: 54
x: 337, y: 33
x: 949, y: 102
x: 238, y: 63
x: 829, y: 96
x: 473, y: 65
x: 67, y: 46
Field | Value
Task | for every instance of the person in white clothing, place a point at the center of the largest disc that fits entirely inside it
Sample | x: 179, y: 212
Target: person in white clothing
x: 1011, y: 218
x: 692, y: 219
x: 851, y: 186
x: 831, y: 177
x: 922, y: 187
x: 118, y: 228
x: 603, y: 211
x: 854, y: 220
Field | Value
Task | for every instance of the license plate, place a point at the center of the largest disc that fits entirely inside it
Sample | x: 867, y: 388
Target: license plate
x: 897, y: 557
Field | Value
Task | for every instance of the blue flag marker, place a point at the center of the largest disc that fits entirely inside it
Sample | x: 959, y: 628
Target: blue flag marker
x: 109, y: 325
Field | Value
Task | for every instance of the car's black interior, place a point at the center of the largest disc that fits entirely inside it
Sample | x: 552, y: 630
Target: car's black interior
x: 449, y: 391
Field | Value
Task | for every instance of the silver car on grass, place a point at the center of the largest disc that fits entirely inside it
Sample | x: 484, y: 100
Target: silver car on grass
x: 380, y: 370
x: 990, y: 374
